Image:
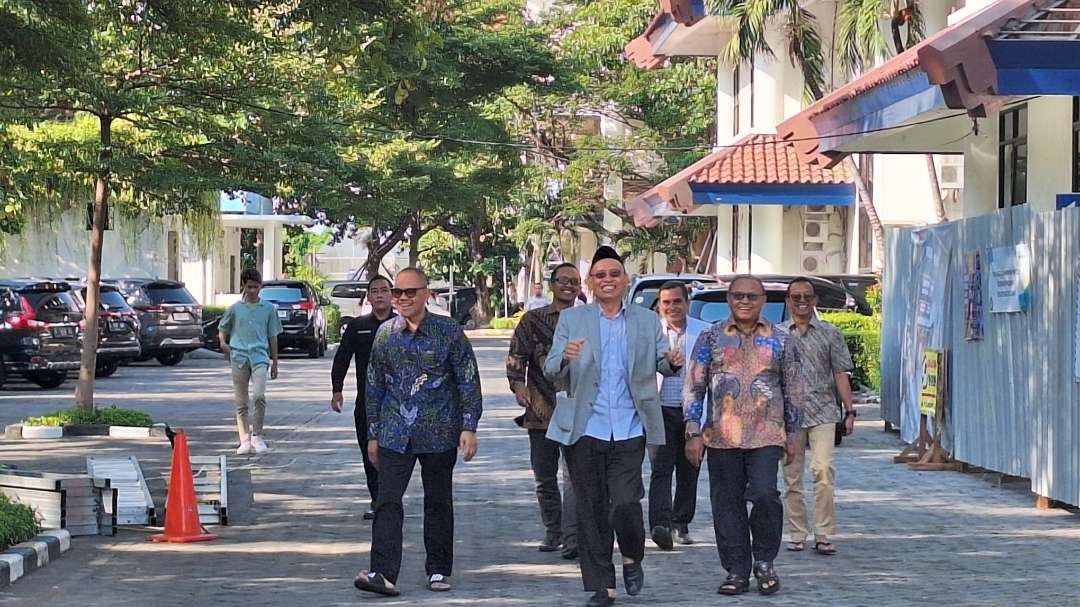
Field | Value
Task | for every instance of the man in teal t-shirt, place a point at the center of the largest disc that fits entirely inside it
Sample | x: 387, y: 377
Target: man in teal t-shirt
x: 249, y: 339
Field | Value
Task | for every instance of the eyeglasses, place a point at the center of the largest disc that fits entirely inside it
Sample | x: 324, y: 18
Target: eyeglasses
x: 603, y: 275
x: 567, y: 282
x: 407, y: 293
x: 800, y: 298
x: 739, y: 296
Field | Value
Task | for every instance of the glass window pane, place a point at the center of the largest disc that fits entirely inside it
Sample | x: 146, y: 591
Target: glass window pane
x: 1021, y: 122
x: 1020, y: 176
x: 1006, y: 127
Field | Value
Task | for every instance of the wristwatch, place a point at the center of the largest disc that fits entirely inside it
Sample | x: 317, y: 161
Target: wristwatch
x: 693, y: 435
x: 851, y: 413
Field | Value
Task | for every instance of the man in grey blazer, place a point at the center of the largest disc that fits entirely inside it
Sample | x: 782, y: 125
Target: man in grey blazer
x: 605, y: 357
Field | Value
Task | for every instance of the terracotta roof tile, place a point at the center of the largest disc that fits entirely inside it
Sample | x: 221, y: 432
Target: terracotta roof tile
x: 762, y: 160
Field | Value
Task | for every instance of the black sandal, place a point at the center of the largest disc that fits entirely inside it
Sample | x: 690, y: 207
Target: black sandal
x: 825, y: 548
x: 767, y: 580
x: 375, y: 582
x: 734, y: 584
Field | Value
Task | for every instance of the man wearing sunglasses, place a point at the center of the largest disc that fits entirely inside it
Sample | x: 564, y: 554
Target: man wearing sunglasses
x: 824, y: 363
x: 423, y: 404
x: 738, y: 366
x: 606, y: 358
x: 525, y: 370
x: 356, y: 342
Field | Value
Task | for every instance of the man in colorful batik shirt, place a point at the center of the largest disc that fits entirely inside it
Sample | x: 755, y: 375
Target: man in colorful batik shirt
x: 739, y: 367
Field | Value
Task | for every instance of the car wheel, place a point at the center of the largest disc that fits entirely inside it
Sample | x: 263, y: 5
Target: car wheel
x: 47, y: 380
x: 171, y: 359
x: 106, y: 368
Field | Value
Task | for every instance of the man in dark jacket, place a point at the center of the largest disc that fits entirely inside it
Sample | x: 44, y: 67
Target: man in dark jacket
x: 356, y: 344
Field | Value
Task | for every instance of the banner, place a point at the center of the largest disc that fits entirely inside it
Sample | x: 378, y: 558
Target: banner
x: 973, y: 303
x: 1010, y: 279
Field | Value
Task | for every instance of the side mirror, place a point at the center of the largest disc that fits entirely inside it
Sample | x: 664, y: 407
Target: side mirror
x: 324, y: 300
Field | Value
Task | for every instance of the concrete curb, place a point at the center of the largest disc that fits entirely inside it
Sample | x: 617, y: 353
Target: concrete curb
x: 19, y: 431
x: 21, y: 559
x: 489, y: 332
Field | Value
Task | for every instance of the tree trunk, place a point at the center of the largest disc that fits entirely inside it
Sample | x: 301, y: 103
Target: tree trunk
x: 414, y: 241
x: 935, y: 189
x: 482, y: 313
x: 377, y: 249
x: 871, y: 212
x: 84, y: 390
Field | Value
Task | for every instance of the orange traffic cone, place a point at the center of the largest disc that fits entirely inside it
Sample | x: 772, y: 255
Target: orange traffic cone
x: 182, y: 509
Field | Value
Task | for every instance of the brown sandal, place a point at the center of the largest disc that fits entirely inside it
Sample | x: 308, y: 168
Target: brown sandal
x: 824, y: 548
x: 796, y: 546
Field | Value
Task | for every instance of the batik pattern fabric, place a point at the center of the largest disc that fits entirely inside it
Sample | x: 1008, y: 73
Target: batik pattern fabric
x: 820, y: 353
x: 529, y: 347
x: 744, y: 377
x: 423, y: 386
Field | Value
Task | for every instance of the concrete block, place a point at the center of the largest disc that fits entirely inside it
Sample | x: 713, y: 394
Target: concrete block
x: 42, y: 432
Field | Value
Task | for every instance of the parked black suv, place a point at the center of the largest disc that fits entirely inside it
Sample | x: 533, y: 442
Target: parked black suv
x: 118, y: 328
x: 300, y: 308
x: 39, y: 336
x: 170, y: 320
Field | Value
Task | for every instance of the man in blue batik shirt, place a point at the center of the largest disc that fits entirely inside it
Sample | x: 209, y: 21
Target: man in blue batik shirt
x: 424, y: 403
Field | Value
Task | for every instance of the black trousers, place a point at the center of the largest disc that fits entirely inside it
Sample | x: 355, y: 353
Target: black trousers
x: 371, y: 473
x: 436, y: 471
x: 607, y: 481
x: 667, y: 460
x: 737, y: 476
x: 557, y: 511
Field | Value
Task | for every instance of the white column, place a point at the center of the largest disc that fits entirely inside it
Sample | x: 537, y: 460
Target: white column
x: 767, y: 240
x: 722, y: 241
x: 853, y: 239
x: 743, y: 237
x: 1049, y: 151
x: 271, y: 251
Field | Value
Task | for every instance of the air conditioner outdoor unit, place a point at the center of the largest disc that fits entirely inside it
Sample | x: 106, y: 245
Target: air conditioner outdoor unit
x: 951, y: 172
x: 813, y: 262
x: 815, y: 231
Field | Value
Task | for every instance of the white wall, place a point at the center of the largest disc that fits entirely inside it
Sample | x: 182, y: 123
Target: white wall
x: 61, y: 248
x: 1049, y: 121
x: 902, y: 191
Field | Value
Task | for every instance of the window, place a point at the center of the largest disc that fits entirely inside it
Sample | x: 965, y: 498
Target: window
x: 1076, y: 145
x: 1012, y: 157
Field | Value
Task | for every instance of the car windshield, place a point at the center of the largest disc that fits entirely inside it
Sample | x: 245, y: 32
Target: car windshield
x: 52, y: 306
x: 113, y: 300
x: 162, y: 294
x: 282, y: 294
x: 717, y: 311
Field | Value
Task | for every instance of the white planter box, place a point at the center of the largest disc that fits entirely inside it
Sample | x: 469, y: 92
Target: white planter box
x: 129, y: 432
x: 35, y: 432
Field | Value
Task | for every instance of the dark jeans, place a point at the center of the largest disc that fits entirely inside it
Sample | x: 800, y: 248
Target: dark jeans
x: 558, y: 512
x: 607, y: 481
x: 737, y: 476
x: 667, y: 460
x: 371, y: 473
x: 395, y: 470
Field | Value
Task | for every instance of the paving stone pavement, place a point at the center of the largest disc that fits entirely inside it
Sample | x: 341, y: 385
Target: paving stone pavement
x: 905, y: 537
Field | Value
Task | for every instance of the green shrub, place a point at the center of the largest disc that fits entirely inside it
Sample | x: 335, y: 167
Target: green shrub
x: 113, y: 416
x: 863, y: 337
x: 212, y: 312
x: 504, y: 323
x: 333, y: 323
x: 17, y: 523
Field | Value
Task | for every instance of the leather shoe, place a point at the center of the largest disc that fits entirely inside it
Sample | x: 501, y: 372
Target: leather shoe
x: 661, y: 536
x: 683, y: 537
x: 569, y: 552
x: 369, y: 515
x: 633, y: 576
x: 600, y: 599
x: 551, y: 543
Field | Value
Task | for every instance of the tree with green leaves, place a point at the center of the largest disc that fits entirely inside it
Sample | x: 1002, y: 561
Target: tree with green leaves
x: 154, y: 106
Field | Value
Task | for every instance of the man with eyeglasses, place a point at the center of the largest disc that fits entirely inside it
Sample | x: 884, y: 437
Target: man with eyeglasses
x: 356, y: 342
x: 525, y: 370
x: 738, y: 366
x: 606, y: 356
x: 824, y: 363
x: 424, y: 404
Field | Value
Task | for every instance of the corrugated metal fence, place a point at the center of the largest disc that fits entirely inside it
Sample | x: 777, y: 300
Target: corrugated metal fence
x: 1014, y: 406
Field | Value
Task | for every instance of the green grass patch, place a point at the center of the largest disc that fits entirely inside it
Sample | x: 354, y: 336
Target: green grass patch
x: 112, y: 416
x: 17, y: 523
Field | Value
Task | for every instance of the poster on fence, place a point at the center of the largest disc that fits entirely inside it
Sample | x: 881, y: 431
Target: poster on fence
x: 933, y: 373
x: 973, y: 304
x: 1010, y: 278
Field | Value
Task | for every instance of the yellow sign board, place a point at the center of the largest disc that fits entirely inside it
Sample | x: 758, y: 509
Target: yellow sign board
x: 933, y: 374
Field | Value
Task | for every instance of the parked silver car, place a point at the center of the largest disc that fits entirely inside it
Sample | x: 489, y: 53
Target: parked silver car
x: 169, y: 317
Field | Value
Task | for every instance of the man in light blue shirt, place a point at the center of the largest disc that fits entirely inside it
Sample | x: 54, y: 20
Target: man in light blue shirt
x: 248, y: 333
x: 605, y: 357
